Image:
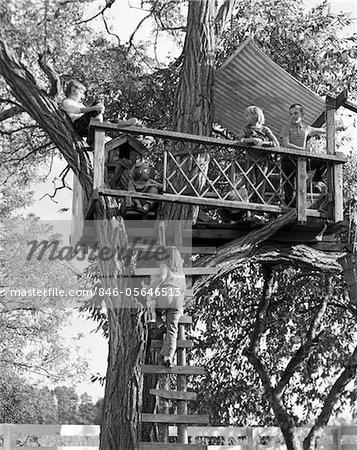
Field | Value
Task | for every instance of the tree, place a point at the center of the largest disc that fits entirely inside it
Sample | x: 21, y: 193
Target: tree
x: 21, y: 402
x: 31, y: 325
x: 121, y: 422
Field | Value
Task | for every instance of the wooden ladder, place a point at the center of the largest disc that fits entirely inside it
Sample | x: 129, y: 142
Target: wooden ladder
x: 182, y: 419
x: 181, y: 396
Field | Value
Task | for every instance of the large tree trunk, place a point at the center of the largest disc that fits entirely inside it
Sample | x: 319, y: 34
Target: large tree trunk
x: 123, y: 391
x: 194, y: 111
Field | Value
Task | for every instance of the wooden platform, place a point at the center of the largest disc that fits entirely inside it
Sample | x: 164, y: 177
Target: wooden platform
x: 167, y: 446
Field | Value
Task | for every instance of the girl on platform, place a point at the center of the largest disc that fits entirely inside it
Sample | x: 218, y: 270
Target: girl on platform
x: 256, y: 133
x: 170, y: 287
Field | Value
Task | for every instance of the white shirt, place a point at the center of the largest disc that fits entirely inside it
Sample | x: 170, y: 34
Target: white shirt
x: 72, y: 108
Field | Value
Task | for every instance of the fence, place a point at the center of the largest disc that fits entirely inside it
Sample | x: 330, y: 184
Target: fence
x: 85, y: 437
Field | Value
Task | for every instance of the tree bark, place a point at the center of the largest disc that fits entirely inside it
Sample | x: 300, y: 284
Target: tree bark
x: 123, y: 391
x: 195, y: 109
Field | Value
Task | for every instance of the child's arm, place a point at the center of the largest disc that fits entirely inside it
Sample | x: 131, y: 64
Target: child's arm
x: 242, y: 139
x: 273, y: 140
x: 316, y: 131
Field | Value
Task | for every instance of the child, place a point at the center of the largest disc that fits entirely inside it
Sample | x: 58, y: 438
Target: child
x: 143, y: 182
x: 81, y: 114
x: 256, y: 133
x: 295, y: 135
x: 151, y: 297
x: 170, y: 284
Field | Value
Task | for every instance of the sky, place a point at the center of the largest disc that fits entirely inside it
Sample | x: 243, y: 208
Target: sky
x: 122, y: 19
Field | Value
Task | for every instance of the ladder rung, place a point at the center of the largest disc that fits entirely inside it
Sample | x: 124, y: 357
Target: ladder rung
x: 152, y: 248
x: 164, y: 446
x: 186, y: 319
x: 174, y: 418
x: 174, y: 395
x: 181, y: 343
x: 148, y: 271
x: 178, y: 370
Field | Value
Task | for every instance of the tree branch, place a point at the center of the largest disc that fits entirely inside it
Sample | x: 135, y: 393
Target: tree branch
x: 224, y: 15
x: 285, y: 421
x: 312, y: 337
x: 108, y: 4
x: 56, y: 87
x: 240, y: 249
x: 10, y: 112
x: 348, y: 374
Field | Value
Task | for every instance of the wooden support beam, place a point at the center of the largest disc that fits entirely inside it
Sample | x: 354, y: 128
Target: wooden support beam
x: 178, y: 370
x: 350, y: 106
x: 174, y: 418
x: 212, y: 202
x: 180, y: 343
x: 185, y: 320
x: 174, y: 395
x: 166, y: 446
x: 340, y: 100
x: 301, y: 190
x: 337, y: 176
x: 99, y: 159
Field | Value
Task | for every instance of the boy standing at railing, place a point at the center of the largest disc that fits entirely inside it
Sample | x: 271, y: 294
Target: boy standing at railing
x: 295, y: 135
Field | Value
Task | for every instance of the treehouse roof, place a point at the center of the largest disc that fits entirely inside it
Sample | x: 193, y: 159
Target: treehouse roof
x: 250, y: 77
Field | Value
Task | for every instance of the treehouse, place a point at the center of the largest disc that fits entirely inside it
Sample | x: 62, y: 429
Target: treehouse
x: 214, y: 176
x: 213, y: 173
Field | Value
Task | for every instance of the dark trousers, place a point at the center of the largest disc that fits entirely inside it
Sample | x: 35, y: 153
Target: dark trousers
x: 81, y: 125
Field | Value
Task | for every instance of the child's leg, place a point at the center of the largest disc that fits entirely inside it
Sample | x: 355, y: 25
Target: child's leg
x: 151, y: 305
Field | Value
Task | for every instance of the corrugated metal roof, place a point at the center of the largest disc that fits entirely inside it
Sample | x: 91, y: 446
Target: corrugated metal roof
x: 250, y: 77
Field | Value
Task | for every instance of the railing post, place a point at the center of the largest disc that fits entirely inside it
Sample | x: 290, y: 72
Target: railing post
x: 336, y: 438
x: 334, y: 175
x: 301, y: 190
x: 9, y: 437
x: 99, y: 158
x: 164, y: 183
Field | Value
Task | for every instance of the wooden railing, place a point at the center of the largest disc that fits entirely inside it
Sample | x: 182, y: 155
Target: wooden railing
x: 51, y: 437
x: 234, y: 176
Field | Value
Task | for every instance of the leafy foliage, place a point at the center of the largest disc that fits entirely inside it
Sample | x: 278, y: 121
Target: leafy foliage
x: 318, y: 55
x: 231, y: 392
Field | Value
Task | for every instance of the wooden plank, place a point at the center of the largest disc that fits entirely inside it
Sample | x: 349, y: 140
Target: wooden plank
x: 301, y: 190
x: 166, y: 446
x: 178, y: 370
x: 174, y: 135
x: 99, y: 159
x: 337, y: 176
x: 147, y: 271
x: 174, y: 418
x: 174, y: 395
x: 185, y: 320
x: 180, y: 343
x: 204, y: 250
x: 330, y: 127
x: 212, y: 202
